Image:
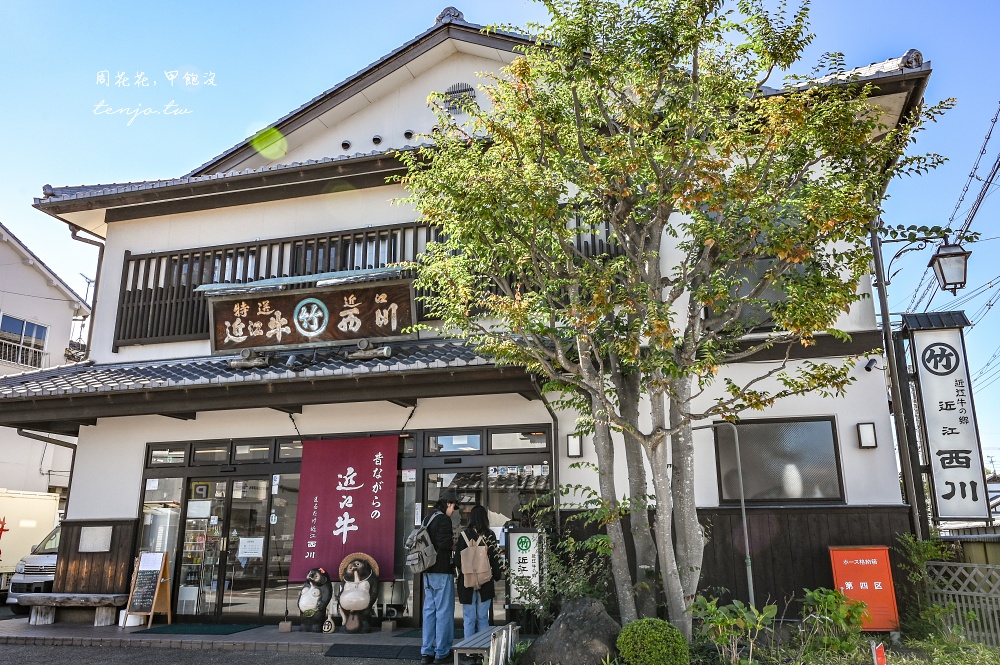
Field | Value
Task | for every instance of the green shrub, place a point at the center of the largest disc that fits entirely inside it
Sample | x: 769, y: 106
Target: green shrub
x: 920, y: 618
x: 652, y: 642
x: 830, y: 621
x: 732, y: 630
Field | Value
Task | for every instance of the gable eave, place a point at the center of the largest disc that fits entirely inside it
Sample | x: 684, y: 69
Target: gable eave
x: 458, y: 31
x: 47, y: 273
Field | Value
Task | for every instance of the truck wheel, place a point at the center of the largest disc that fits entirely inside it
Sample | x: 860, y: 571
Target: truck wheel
x: 19, y: 610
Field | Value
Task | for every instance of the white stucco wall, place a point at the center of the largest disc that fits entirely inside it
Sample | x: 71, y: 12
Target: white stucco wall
x: 34, y: 299
x: 32, y: 466
x: 870, y: 476
x: 389, y: 111
x: 31, y: 295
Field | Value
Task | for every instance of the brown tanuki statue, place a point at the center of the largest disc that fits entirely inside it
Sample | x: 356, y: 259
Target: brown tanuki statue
x: 359, y: 574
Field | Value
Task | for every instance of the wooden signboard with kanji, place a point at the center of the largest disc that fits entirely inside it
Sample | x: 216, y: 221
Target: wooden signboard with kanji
x: 314, y: 317
x: 150, y: 592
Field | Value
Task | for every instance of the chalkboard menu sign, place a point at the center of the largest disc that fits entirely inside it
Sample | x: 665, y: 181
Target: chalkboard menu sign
x: 150, y: 586
x: 144, y: 591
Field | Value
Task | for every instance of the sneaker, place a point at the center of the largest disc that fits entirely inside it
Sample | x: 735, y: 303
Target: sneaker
x: 426, y: 659
x: 447, y: 659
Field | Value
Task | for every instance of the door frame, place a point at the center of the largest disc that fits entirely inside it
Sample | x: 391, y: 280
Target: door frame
x: 222, y: 564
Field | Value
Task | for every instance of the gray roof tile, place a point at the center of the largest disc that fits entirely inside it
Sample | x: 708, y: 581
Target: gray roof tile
x: 935, y: 320
x: 89, y: 377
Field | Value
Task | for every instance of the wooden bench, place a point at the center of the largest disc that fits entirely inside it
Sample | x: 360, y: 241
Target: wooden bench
x: 43, y: 606
x: 495, y: 645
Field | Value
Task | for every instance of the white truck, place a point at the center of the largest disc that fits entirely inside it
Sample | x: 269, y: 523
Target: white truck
x: 26, y: 519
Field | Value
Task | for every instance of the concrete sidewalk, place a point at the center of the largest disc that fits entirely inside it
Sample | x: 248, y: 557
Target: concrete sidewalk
x: 262, y: 638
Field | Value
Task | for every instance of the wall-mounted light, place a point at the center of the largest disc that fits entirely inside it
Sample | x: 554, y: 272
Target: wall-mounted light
x: 574, y: 445
x: 866, y: 435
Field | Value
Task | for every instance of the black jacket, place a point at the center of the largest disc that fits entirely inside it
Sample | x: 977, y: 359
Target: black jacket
x: 488, y: 590
x: 441, y: 532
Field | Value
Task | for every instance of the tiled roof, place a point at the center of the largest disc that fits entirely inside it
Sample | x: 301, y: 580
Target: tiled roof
x: 60, y: 194
x: 935, y: 320
x: 90, y: 378
x: 911, y: 61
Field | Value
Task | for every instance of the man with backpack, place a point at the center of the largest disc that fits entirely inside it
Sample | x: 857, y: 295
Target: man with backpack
x: 439, y: 588
x: 477, y: 562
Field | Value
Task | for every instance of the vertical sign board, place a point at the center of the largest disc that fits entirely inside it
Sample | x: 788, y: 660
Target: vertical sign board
x: 863, y: 573
x: 347, y: 504
x: 524, y: 559
x: 952, y: 435
x: 150, y: 592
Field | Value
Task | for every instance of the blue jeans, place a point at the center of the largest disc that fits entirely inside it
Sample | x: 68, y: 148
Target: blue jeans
x: 476, y: 615
x: 439, y: 614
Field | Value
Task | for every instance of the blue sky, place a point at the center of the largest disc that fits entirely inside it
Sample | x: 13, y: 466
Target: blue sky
x: 268, y: 58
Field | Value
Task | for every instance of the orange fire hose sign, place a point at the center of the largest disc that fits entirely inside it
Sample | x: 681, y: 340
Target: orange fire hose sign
x: 863, y: 573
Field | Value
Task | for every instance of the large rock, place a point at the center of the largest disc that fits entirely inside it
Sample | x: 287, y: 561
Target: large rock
x: 583, y: 634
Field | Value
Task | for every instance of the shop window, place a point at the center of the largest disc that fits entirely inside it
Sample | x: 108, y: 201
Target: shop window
x: 289, y: 450
x: 161, y: 501
x: 785, y: 461
x: 534, y: 441
x: 407, y: 445
x: 254, y: 451
x: 210, y: 453
x: 167, y: 455
x: 462, y: 444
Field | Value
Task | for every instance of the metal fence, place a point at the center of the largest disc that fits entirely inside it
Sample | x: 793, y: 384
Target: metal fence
x: 971, y: 594
x: 20, y: 355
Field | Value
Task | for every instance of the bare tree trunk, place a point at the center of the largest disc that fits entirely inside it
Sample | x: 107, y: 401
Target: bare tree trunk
x: 605, y: 448
x: 642, y: 536
x: 690, y: 535
x: 674, y: 592
x: 624, y: 590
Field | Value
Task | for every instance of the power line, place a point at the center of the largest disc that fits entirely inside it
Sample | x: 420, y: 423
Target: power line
x: 919, y: 296
x: 27, y: 295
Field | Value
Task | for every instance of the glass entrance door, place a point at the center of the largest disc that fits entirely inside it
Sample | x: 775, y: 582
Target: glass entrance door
x: 222, y: 557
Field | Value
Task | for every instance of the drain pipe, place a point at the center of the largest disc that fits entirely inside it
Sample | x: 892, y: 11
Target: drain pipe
x: 74, y: 233
x: 61, y: 444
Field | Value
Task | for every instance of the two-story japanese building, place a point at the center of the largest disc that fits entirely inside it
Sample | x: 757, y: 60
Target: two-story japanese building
x: 252, y: 404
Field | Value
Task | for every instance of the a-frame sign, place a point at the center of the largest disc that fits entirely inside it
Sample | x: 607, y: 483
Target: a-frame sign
x: 150, y: 592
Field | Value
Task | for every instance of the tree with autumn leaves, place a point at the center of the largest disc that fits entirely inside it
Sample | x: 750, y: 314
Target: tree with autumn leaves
x: 633, y: 208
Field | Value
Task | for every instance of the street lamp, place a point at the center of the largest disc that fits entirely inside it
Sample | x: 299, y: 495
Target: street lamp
x: 950, y: 264
x: 947, y: 263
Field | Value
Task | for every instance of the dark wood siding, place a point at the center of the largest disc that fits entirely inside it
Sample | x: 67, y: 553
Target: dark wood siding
x: 789, y: 547
x: 95, y: 572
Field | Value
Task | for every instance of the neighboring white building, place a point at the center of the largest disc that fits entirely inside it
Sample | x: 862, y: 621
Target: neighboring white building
x: 189, y: 448
x: 37, y: 313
